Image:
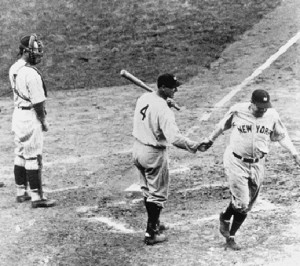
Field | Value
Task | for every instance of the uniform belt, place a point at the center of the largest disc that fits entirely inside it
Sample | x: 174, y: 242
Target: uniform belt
x: 246, y: 160
x: 25, y: 107
x: 156, y: 147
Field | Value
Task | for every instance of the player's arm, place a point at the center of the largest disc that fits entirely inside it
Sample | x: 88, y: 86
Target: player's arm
x: 37, y: 97
x: 41, y: 114
x: 222, y: 126
x: 281, y: 135
x: 173, y: 135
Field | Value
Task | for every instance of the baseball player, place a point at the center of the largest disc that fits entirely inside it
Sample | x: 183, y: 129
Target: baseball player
x: 154, y: 129
x: 29, y: 121
x: 254, y: 126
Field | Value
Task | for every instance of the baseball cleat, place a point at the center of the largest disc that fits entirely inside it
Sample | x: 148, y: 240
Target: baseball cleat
x: 230, y: 243
x: 157, y: 238
x: 224, y: 226
x: 23, y: 198
x: 163, y: 227
x: 43, y: 203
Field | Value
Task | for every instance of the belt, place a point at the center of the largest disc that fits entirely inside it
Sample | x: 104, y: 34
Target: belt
x: 247, y: 160
x: 25, y: 107
x: 156, y: 147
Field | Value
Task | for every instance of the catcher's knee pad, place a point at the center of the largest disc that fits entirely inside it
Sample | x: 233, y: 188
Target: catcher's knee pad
x: 20, y: 161
x: 32, y: 164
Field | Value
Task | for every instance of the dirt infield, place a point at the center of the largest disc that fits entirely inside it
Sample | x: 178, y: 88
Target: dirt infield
x: 88, y: 167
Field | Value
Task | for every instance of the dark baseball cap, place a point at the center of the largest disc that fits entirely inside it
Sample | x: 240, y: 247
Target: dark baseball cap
x: 168, y: 80
x: 261, y: 99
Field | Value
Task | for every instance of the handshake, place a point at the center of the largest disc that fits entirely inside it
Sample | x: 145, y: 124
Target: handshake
x: 205, y: 145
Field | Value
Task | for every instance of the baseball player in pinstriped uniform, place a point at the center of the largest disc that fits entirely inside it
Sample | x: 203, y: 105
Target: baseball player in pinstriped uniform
x: 254, y: 126
x: 154, y: 128
x: 29, y: 121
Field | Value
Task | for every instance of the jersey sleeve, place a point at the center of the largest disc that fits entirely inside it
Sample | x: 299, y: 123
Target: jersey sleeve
x: 173, y: 135
x: 224, y: 124
x: 35, y: 88
x: 279, y: 130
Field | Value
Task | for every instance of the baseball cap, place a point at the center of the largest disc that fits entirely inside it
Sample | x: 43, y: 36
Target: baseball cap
x: 261, y: 99
x: 168, y: 80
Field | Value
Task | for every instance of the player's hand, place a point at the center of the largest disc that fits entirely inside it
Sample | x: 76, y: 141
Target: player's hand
x: 171, y: 102
x: 297, y: 159
x: 205, y: 145
x: 45, y: 126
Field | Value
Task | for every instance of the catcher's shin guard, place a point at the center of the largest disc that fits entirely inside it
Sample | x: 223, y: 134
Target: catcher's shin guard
x: 20, y: 176
x: 21, y: 184
x: 38, y: 199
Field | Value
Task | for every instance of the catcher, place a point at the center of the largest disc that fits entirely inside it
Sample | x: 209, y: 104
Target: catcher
x: 254, y: 126
x: 29, y: 121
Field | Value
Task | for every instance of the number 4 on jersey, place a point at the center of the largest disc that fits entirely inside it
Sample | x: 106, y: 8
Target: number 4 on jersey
x: 143, y: 111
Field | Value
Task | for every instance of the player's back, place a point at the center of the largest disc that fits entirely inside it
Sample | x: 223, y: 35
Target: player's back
x: 146, y: 127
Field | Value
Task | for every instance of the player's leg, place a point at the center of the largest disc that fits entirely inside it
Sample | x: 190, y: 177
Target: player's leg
x: 20, y: 172
x: 21, y: 179
x: 34, y: 174
x: 154, y: 177
x: 224, y: 218
x: 33, y: 165
x: 237, y: 174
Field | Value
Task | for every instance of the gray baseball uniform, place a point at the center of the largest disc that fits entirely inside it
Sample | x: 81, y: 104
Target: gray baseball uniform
x: 154, y: 129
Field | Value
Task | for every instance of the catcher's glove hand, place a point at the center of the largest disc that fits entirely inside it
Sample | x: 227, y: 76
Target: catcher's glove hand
x: 205, y: 145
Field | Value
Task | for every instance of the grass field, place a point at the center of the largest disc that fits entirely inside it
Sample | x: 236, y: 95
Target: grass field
x: 89, y: 42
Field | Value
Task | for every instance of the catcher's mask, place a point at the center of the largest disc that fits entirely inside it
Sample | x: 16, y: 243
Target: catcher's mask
x: 33, y: 46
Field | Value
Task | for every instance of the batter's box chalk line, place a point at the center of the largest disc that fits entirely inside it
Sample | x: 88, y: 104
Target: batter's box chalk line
x: 116, y: 226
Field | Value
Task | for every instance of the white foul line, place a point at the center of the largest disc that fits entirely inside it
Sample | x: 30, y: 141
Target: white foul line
x: 256, y: 73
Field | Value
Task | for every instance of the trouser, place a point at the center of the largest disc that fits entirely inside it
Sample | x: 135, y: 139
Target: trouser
x: 245, y: 181
x: 28, y: 151
x: 152, y: 164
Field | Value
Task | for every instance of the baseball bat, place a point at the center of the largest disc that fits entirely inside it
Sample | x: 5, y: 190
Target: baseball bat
x: 138, y: 82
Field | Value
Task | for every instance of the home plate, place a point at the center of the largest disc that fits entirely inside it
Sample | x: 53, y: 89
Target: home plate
x: 133, y: 188
x: 119, y: 227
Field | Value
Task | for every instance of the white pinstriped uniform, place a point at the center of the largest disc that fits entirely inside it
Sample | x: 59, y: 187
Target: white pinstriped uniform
x: 250, y: 138
x: 25, y: 124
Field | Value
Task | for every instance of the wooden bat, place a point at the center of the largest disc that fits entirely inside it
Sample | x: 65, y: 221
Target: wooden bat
x: 138, y: 82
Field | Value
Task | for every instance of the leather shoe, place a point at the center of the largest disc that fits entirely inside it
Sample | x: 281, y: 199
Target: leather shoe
x: 156, y: 238
x: 23, y: 198
x: 162, y: 227
x: 43, y: 203
x: 230, y: 243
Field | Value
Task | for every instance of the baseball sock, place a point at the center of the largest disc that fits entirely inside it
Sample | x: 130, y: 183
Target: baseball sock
x: 153, y: 217
x: 20, y: 179
x: 238, y: 219
x: 228, y: 212
x: 35, y: 184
